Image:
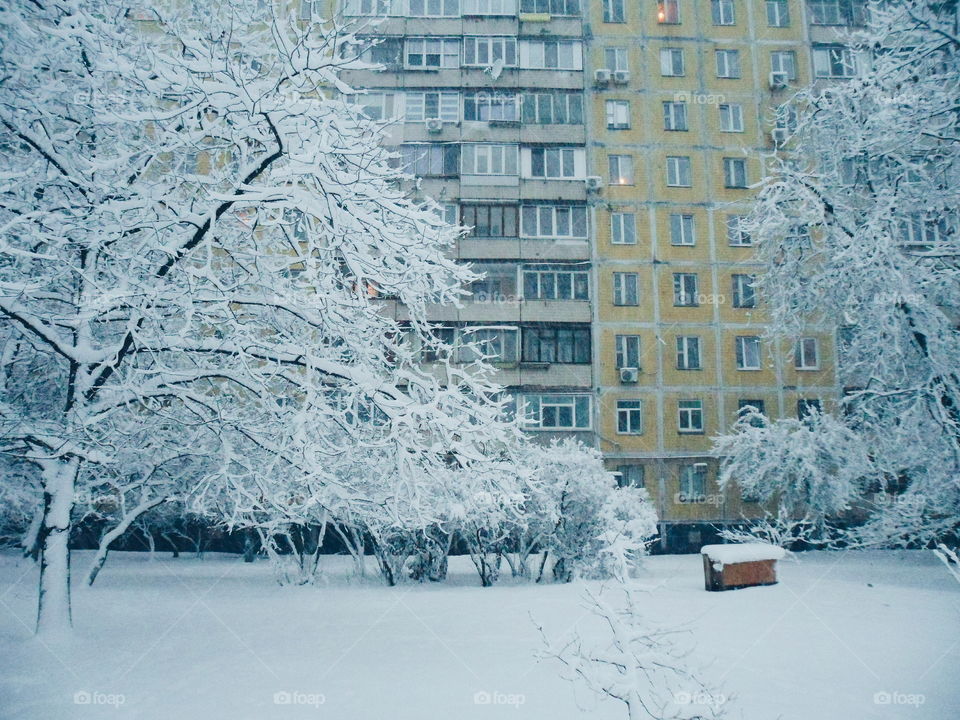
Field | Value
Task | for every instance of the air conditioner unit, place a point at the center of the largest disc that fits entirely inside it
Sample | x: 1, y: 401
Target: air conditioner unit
x: 621, y: 77
x: 779, y: 80
x: 594, y: 183
x: 434, y: 125
x: 779, y: 135
x: 629, y: 375
x: 602, y: 76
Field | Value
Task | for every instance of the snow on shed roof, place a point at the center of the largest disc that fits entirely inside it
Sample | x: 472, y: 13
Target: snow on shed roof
x: 747, y: 552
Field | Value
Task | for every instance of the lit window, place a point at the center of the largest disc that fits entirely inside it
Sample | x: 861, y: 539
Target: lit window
x: 621, y: 169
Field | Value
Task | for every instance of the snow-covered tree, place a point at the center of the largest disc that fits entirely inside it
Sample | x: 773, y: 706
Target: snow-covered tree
x: 858, y: 227
x: 630, y: 659
x: 197, y: 243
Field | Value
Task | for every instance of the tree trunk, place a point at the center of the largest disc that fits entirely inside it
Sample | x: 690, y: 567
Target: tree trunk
x: 53, y: 605
x: 31, y: 538
x: 118, y: 530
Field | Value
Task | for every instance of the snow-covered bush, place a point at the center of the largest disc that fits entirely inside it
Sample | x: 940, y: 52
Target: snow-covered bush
x: 859, y: 229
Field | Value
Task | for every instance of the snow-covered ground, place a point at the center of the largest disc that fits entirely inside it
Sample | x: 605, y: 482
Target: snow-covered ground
x: 842, y: 637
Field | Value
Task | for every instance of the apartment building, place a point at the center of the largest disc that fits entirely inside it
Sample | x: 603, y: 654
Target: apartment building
x: 602, y: 153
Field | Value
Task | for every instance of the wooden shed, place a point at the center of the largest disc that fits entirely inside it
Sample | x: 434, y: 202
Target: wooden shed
x: 729, y: 567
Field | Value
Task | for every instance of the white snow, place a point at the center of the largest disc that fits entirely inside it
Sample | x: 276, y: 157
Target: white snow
x: 844, y: 636
x: 741, y: 553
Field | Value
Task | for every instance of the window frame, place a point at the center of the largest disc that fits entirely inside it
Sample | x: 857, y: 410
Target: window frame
x: 630, y: 417
x: 693, y: 410
x: 626, y: 286
x: 689, y: 352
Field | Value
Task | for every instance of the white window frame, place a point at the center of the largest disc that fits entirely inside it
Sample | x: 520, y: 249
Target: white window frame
x: 432, y: 8
x: 735, y: 173
x: 447, y: 50
x: 553, y: 218
x: 672, y: 63
x: 623, y: 228
x: 388, y: 104
x: 561, y: 276
x: 497, y: 104
x: 692, y: 482
x: 723, y: 12
x: 505, y: 8
x: 497, y: 344
x: 748, y: 352
x: 495, y: 47
x: 614, y: 11
x: 682, y: 230
x: 736, y: 236
x: 728, y: 64
x: 778, y: 13
x: 626, y: 289
x: 415, y: 105
x: 580, y: 406
x: 619, y: 57
x: 630, y: 417
x: 534, y: 54
x: 668, y: 12
x: 689, y: 356
x: 805, y: 347
x: 618, y: 114
x: 686, y: 288
x: 690, y: 417
x: 731, y: 117
x: 627, y: 348
x: 679, y: 171
x: 743, y: 290
x: 500, y: 159
x: 621, y: 169
x: 784, y: 61
x: 675, y: 116
x: 828, y: 58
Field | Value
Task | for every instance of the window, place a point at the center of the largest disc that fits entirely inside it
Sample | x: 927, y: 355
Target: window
x: 489, y: 159
x: 448, y: 213
x: 678, y: 171
x: 736, y: 235
x: 553, y: 108
x: 556, y: 344
x: 490, y: 7
x: 378, y: 105
x: 618, y: 114
x: 807, y: 407
x: 554, y: 221
x: 674, y: 115
x: 668, y: 12
x: 685, y: 289
x: 688, y: 352
x: 806, y: 355
x: 496, y: 344
x: 630, y: 476
x: 690, y: 416
x: 432, y: 53
x: 784, y: 61
x: 357, y: 8
x: 621, y: 169
x: 613, y: 11
x: 744, y: 294
x: 556, y: 282
x: 488, y: 50
x: 551, y: 54
x: 671, y: 62
x: 722, y: 11
x: 626, y: 288
x: 555, y: 163
x: 433, y: 8
x: 491, y: 221
x: 693, y: 482
x: 553, y: 7
x: 483, y: 106
x: 630, y: 417
x: 430, y: 159
x: 735, y: 172
x: 628, y: 351
x: 728, y: 63
x: 731, y: 117
x: 557, y: 412
x: 748, y: 352
x: 615, y: 58
x: 746, y: 405
x: 834, y: 61
x: 681, y: 230
x: 837, y: 12
x: 423, y: 105
x: 388, y: 52
x: 778, y: 13
x: 623, y: 228
x: 444, y: 335
x: 925, y: 230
